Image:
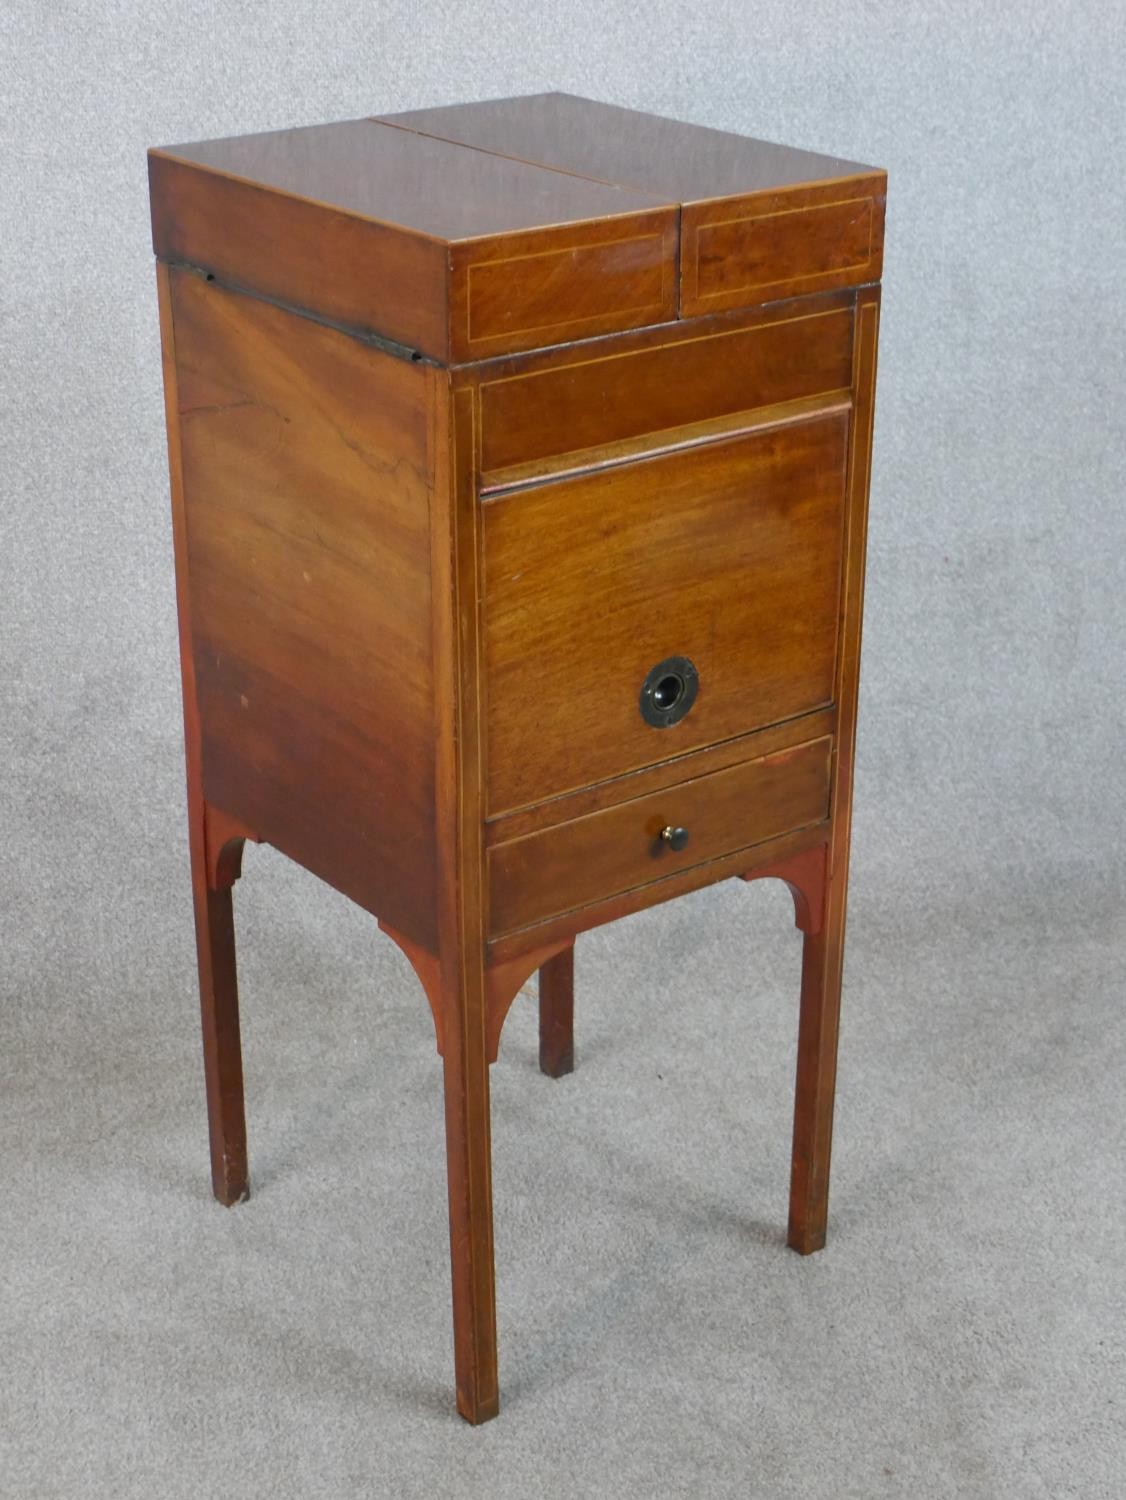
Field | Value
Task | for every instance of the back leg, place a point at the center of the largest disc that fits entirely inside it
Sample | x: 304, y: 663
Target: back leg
x: 557, y: 1014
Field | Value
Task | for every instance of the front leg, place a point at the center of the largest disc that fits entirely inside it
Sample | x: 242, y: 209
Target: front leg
x: 469, y: 1171
x: 819, y: 908
x: 818, y: 1029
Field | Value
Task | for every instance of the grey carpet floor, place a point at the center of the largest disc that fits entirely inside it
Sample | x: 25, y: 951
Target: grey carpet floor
x: 962, y: 1334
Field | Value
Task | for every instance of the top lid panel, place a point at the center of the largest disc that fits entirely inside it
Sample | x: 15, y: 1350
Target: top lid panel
x: 759, y: 221
x: 418, y: 182
x: 689, y: 163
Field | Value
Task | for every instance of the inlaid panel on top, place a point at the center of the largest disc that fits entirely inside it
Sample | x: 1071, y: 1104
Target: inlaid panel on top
x: 759, y: 221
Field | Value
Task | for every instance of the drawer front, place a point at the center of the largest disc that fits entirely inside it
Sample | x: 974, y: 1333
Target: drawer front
x: 727, y: 555
x: 569, y: 866
x: 531, y: 417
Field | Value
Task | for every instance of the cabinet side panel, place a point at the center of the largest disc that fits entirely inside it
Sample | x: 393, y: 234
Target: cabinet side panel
x: 306, y: 480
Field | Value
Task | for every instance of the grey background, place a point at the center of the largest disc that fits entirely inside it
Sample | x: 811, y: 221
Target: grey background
x: 963, y: 1335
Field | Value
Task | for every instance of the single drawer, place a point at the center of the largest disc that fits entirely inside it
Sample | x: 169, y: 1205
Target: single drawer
x: 724, y: 558
x: 533, y: 413
x: 605, y: 853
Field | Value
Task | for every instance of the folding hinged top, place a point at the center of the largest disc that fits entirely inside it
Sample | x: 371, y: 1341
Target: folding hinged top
x: 477, y: 230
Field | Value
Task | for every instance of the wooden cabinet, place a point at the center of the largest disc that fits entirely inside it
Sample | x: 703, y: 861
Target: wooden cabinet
x: 519, y: 458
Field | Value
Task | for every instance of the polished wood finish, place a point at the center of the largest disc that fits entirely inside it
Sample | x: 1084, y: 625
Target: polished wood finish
x: 460, y: 904
x: 620, y: 847
x: 779, y: 245
x: 416, y: 186
x: 457, y: 253
x: 580, y: 406
x: 668, y: 773
x: 523, y: 291
x: 823, y: 959
x: 740, y: 862
x: 322, y: 261
x: 471, y: 422
x: 428, y: 970
x: 557, y: 1014
x: 311, y: 626
x: 758, y: 221
x: 496, y: 482
x: 211, y: 893
x: 506, y: 976
x: 224, y: 839
x: 726, y: 552
x: 806, y: 872
x: 608, y: 143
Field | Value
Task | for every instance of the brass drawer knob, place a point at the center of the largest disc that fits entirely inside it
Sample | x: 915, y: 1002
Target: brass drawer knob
x: 675, y: 838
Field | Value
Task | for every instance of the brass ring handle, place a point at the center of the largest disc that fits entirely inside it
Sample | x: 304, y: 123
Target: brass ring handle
x: 669, y: 691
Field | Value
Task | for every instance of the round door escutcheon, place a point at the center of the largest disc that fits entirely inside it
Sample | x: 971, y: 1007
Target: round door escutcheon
x: 669, y: 691
x: 675, y: 838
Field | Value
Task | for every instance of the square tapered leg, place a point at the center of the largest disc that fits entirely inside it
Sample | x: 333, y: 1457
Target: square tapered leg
x: 557, y: 1014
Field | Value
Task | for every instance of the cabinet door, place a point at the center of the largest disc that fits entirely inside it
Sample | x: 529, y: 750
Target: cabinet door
x: 725, y: 556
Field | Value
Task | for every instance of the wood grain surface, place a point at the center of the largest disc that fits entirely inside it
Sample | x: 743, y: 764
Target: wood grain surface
x: 307, y: 481
x: 619, y: 848
x: 456, y: 252
x: 727, y: 553
x: 475, y: 416
x: 583, y: 403
x: 759, y: 220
